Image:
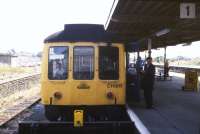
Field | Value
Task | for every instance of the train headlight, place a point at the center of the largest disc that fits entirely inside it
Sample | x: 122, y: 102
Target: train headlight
x: 58, y: 95
x: 110, y: 95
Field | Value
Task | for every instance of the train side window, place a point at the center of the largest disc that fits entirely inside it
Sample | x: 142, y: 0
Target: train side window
x: 83, y: 67
x: 58, y: 63
x: 108, y: 63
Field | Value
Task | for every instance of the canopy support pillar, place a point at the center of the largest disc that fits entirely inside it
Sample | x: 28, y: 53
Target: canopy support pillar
x: 165, y: 54
x: 149, y: 47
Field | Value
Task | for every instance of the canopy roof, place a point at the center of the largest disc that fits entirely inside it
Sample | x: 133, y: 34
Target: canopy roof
x: 138, y: 20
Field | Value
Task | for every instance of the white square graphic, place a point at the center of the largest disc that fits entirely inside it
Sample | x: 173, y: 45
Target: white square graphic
x: 187, y: 10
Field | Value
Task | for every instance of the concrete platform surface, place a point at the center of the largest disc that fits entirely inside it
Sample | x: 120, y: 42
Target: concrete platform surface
x: 175, y: 111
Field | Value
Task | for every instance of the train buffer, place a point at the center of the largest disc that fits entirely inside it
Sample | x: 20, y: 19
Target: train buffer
x: 105, y: 127
x: 127, y: 124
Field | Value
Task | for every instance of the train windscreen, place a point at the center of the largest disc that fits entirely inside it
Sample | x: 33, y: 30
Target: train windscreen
x: 108, y: 63
x: 83, y: 67
x: 58, y: 63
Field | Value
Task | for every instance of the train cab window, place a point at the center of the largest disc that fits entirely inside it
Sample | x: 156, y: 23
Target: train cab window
x: 83, y: 68
x: 58, y: 63
x: 108, y: 63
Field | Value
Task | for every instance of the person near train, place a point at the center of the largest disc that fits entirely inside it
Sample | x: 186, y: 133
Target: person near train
x: 148, y: 82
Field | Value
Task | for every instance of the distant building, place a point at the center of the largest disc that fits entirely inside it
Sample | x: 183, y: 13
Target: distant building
x: 6, y: 59
x: 20, y: 59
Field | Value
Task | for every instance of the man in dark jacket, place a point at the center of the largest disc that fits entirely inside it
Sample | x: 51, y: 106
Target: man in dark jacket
x: 148, y: 81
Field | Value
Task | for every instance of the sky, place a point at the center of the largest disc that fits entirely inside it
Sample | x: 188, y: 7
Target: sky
x: 191, y: 51
x: 26, y: 23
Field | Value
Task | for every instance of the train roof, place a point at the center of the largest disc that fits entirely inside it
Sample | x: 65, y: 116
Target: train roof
x: 83, y: 33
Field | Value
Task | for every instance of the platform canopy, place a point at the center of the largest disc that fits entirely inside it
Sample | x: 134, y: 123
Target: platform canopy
x: 166, y: 22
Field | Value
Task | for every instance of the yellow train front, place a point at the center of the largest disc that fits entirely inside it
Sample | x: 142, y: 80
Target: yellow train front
x: 83, y: 84
x: 83, y: 68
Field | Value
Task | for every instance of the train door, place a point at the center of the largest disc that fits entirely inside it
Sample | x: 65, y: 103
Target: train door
x: 111, y: 82
x: 83, y: 75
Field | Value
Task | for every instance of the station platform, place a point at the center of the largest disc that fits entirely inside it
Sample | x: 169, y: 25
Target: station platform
x: 175, y: 111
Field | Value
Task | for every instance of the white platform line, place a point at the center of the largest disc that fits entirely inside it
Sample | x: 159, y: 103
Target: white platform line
x: 138, y: 123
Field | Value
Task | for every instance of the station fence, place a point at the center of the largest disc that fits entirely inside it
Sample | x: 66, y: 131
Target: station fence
x: 180, y: 69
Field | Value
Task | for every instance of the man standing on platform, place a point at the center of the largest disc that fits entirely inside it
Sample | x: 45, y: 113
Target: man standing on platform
x: 148, y: 81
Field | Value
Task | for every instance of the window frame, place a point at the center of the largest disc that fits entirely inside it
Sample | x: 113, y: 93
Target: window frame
x: 93, y: 47
x: 67, y: 67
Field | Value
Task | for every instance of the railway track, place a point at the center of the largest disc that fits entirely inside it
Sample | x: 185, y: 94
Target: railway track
x: 15, y: 110
x: 11, y: 117
x: 26, y: 94
x: 9, y: 87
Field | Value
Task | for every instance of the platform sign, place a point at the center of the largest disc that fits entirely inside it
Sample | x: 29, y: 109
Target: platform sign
x: 187, y: 10
x: 191, y: 81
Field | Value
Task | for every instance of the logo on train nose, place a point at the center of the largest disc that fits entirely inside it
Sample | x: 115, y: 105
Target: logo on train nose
x: 83, y: 86
x: 114, y: 85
